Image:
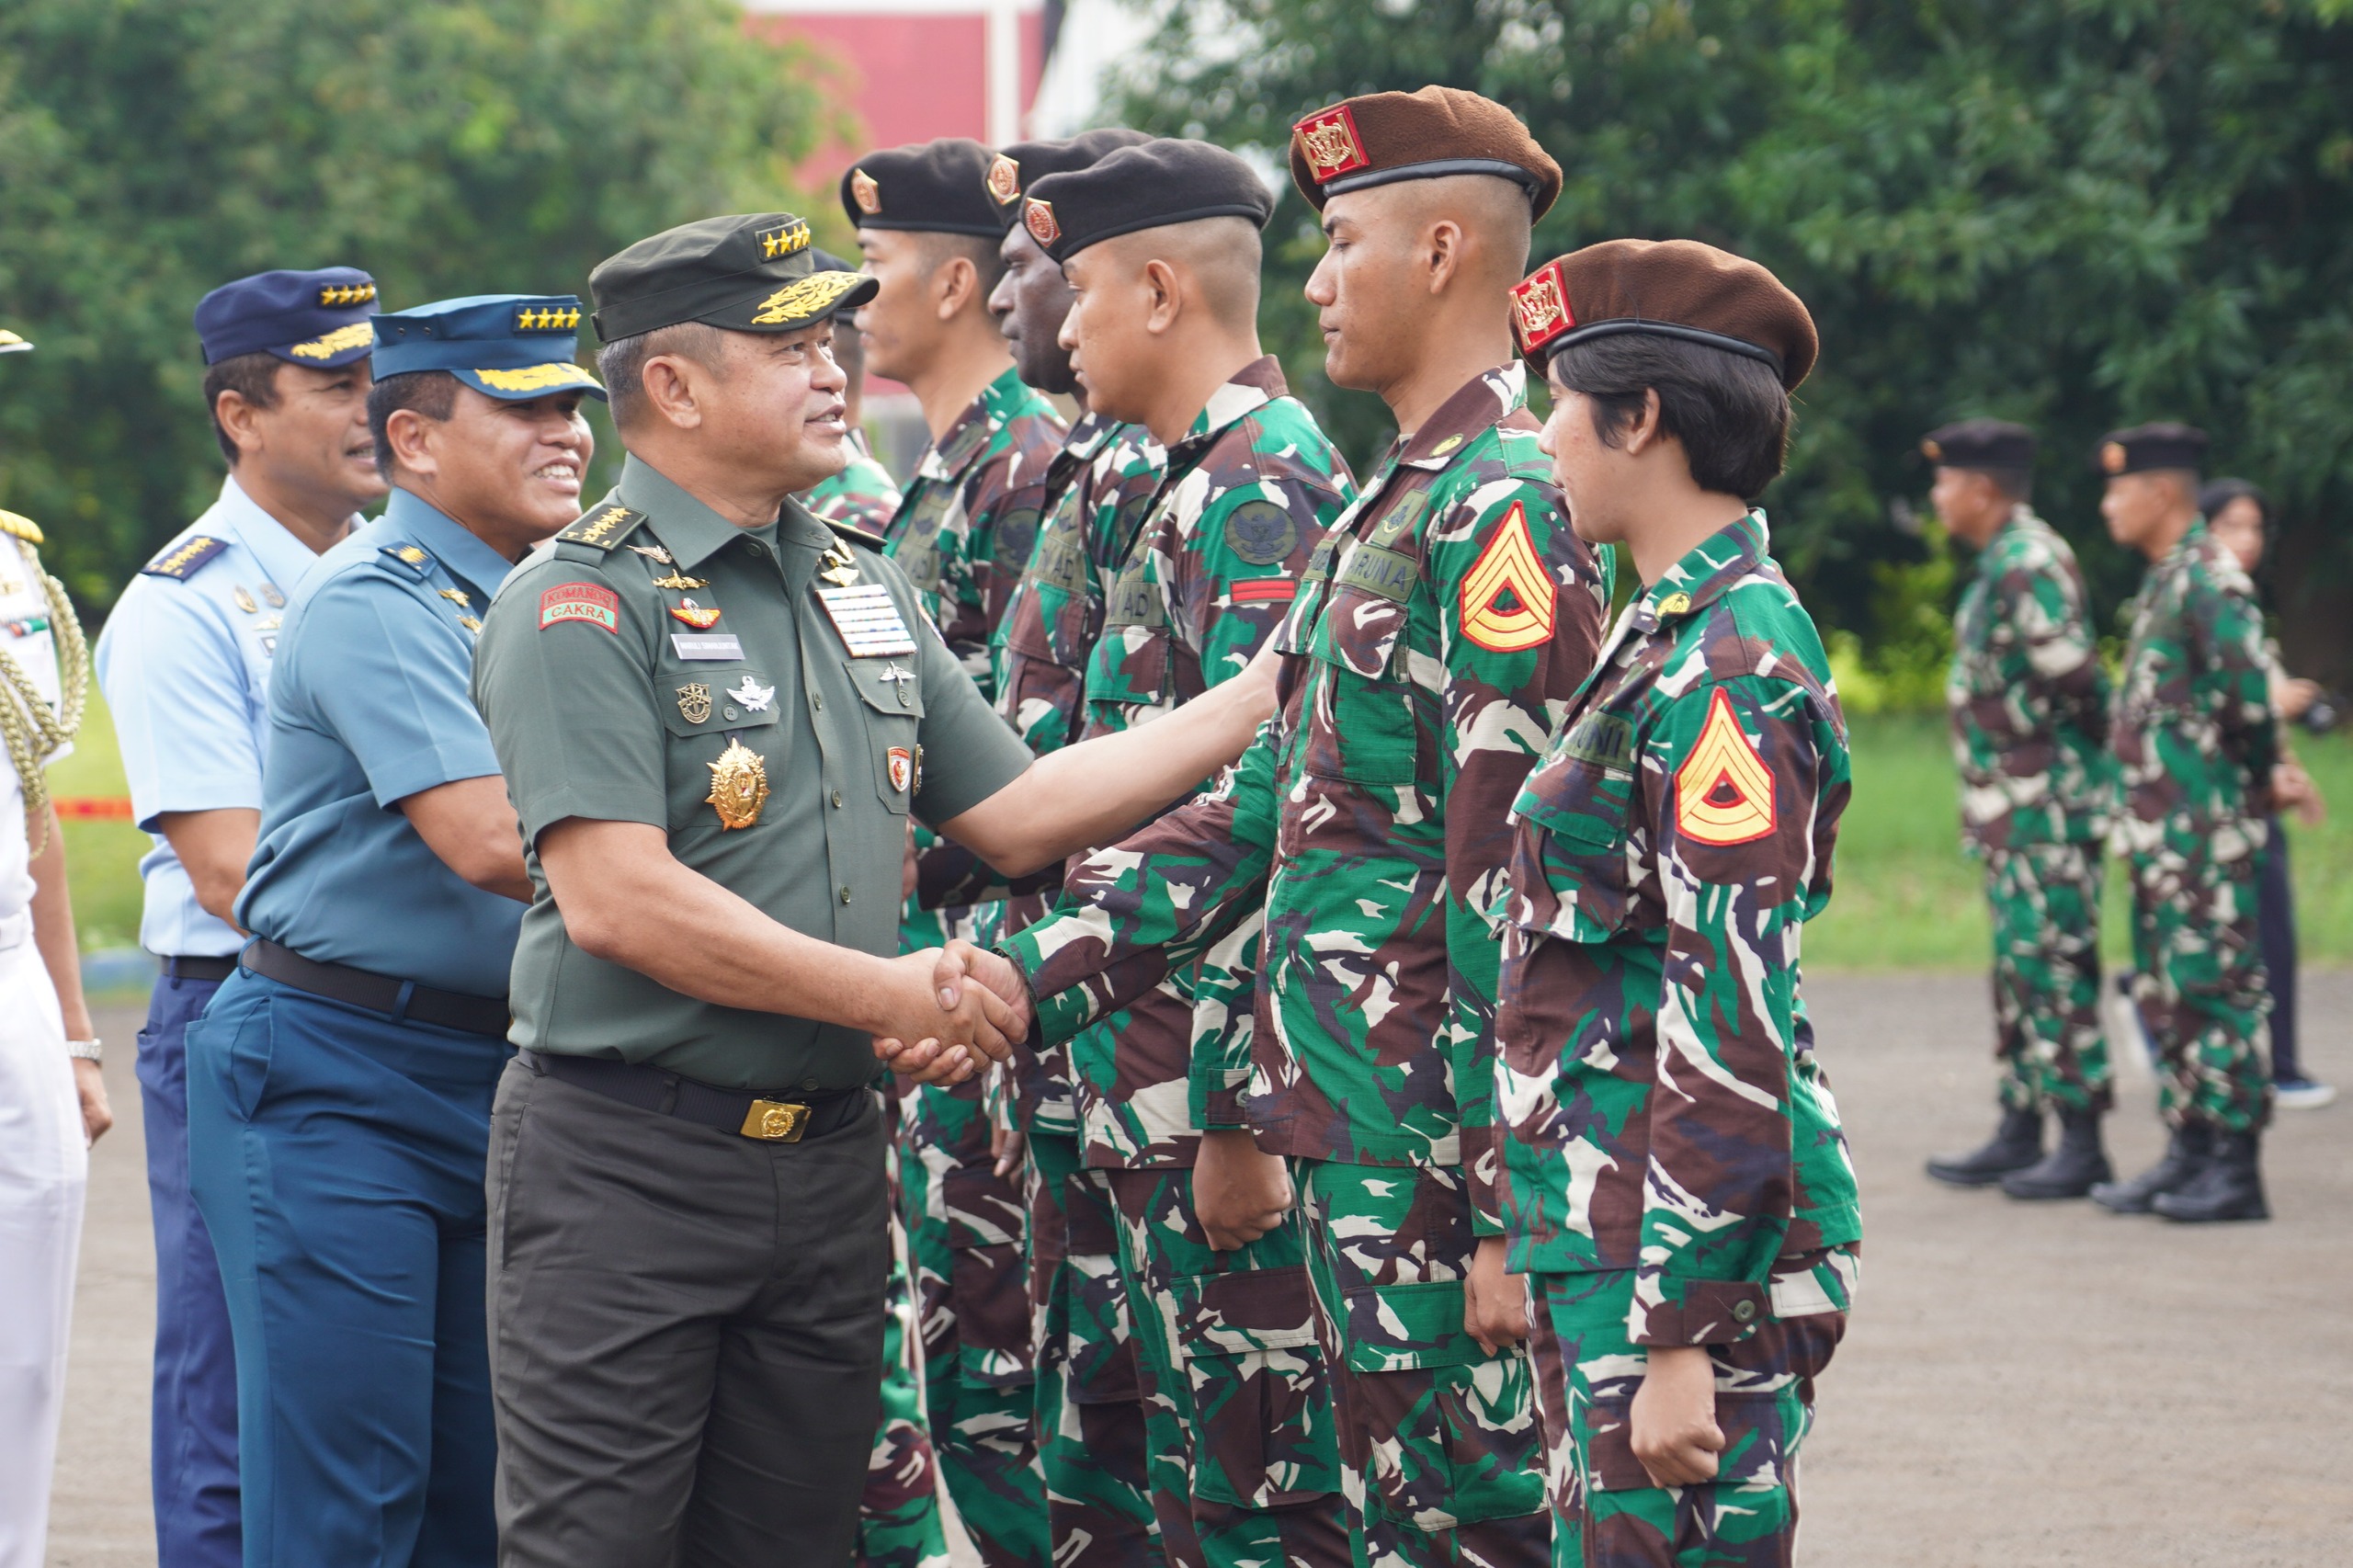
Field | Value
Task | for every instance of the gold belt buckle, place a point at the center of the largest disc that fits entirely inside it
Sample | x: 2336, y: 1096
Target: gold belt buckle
x: 777, y: 1121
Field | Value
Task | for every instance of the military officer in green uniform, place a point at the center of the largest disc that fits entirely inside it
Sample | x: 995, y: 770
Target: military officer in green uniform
x: 2028, y: 707
x: 715, y: 715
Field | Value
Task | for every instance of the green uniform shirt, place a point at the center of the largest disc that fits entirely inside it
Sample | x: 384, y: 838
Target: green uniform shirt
x: 605, y: 702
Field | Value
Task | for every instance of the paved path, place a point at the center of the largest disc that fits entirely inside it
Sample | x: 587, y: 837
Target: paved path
x: 2022, y: 1386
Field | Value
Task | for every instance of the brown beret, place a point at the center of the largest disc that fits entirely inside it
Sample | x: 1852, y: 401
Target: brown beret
x: 1669, y: 289
x: 1384, y: 137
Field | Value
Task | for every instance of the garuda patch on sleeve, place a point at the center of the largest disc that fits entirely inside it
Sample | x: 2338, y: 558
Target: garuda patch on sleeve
x: 1507, y: 598
x: 1724, y: 792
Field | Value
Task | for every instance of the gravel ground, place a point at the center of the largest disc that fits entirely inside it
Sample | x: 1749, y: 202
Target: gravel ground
x: 2022, y: 1385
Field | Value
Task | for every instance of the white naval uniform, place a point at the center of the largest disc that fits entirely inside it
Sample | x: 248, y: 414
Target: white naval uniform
x: 44, y: 1164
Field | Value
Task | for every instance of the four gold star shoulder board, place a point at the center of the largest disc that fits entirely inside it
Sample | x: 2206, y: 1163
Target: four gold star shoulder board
x: 409, y: 559
x: 600, y: 530
x: 1724, y: 792
x: 183, y: 559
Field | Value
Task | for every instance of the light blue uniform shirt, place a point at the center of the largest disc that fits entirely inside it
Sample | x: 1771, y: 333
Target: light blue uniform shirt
x: 369, y: 705
x: 184, y: 661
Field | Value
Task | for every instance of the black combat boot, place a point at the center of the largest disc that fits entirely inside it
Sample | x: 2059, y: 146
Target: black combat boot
x: 2072, y: 1169
x: 2016, y: 1144
x: 2230, y: 1188
x: 2192, y: 1146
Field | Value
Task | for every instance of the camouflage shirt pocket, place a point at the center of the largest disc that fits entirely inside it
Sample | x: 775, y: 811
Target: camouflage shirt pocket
x: 1364, y: 729
x: 1572, y: 873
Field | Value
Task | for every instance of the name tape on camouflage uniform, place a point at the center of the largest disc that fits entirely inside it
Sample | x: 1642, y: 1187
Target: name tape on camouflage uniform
x: 868, y: 619
x: 581, y: 601
x: 1507, y: 598
x: 1724, y: 792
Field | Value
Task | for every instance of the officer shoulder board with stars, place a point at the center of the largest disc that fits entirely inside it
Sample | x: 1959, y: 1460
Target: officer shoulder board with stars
x: 180, y: 561
x: 414, y: 564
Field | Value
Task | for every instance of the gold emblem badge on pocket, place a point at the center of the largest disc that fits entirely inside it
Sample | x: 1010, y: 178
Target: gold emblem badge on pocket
x: 694, y: 702
x: 739, y: 786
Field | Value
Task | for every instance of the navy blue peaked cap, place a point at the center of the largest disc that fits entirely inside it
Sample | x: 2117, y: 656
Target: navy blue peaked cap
x: 318, y: 318
x: 510, y: 347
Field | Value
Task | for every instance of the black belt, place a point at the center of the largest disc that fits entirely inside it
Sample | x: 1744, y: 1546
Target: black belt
x: 199, y: 969
x: 772, y: 1119
x: 397, y: 999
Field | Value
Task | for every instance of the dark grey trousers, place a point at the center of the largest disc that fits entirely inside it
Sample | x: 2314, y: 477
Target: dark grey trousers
x: 685, y: 1334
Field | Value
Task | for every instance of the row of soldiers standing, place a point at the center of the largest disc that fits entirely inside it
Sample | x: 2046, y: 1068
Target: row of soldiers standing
x: 1294, y: 977
x: 2178, y: 768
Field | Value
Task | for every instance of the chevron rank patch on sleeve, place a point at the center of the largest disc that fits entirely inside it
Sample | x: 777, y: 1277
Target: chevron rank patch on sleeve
x: 1723, y: 792
x: 1507, y: 596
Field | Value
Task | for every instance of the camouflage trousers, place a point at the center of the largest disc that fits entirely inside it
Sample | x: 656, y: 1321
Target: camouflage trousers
x: 965, y: 1228
x: 1606, y: 1511
x: 2045, y: 902
x: 2200, y: 986
x: 1236, y: 1399
x: 1089, y: 1406
x: 1438, y: 1439
x: 898, y: 1525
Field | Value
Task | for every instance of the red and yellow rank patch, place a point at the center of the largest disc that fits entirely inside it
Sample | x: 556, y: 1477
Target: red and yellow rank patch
x: 1724, y: 792
x: 581, y: 601
x: 1507, y: 598
x: 1328, y: 141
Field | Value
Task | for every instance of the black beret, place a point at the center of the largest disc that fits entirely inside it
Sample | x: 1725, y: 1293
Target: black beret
x: 750, y: 272
x: 1024, y: 163
x: 1668, y: 289
x: 1979, y: 444
x: 2146, y: 446
x: 1149, y: 186
x: 952, y: 185
x: 1381, y: 138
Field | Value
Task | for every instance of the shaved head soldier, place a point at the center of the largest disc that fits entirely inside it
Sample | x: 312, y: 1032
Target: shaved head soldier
x: 1160, y: 244
x: 2028, y: 704
x: 1435, y: 636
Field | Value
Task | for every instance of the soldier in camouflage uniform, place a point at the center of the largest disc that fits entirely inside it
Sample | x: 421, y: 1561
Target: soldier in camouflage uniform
x: 929, y: 220
x: 2196, y: 741
x: 1089, y: 1409
x: 1435, y: 637
x: 1242, y: 1456
x: 863, y: 494
x: 1678, y: 1187
x: 2028, y: 704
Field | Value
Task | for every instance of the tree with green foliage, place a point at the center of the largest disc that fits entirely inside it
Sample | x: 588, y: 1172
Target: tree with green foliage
x: 2076, y: 213
x: 153, y: 149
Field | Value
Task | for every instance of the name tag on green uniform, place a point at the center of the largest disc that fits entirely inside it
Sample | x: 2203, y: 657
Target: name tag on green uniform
x: 1060, y: 562
x: 1377, y: 571
x: 707, y: 645
x: 1133, y: 600
x: 1604, y: 739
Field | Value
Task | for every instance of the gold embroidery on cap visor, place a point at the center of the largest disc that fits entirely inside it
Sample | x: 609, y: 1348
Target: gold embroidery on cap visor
x: 1037, y: 217
x: 805, y: 299
x: 2113, y: 456
x: 358, y: 334
x: 785, y: 239
x: 1005, y: 180
x: 865, y: 193
x: 536, y: 377
x: 1329, y: 142
x: 1540, y: 308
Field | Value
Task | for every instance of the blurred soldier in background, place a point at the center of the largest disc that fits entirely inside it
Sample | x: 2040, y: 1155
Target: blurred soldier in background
x: 863, y: 494
x: 2196, y: 744
x: 2240, y: 515
x: 184, y: 661
x: 2028, y: 704
x: 52, y: 1097
x: 929, y: 218
x: 1091, y: 1441
x: 1160, y: 245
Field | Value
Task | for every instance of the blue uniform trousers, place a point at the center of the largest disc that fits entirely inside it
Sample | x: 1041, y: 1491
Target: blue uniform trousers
x: 339, y: 1156
x: 195, y: 1432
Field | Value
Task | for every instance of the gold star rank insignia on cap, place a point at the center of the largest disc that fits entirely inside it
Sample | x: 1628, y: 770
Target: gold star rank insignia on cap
x: 1005, y: 180
x: 1507, y: 596
x: 340, y: 294
x: 865, y: 193
x: 548, y: 319
x: 1329, y: 142
x: 1037, y: 217
x: 785, y: 239
x: 1724, y: 792
x: 1540, y: 308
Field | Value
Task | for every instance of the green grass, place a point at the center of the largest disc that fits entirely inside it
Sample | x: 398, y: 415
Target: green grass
x: 1906, y: 897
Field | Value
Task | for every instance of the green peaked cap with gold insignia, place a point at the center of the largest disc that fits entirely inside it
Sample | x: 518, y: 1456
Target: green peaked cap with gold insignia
x: 748, y: 272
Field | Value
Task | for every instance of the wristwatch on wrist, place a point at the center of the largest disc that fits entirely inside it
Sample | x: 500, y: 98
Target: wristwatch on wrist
x: 86, y: 1051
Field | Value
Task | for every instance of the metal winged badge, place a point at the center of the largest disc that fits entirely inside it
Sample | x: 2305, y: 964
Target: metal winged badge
x: 753, y: 695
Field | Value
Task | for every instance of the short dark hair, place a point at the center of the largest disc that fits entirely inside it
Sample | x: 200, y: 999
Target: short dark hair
x: 253, y: 376
x: 2221, y: 492
x: 620, y: 364
x: 936, y: 248
x: 431, y: 394
x: 2015, y: 484
x: 1729, y: 411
